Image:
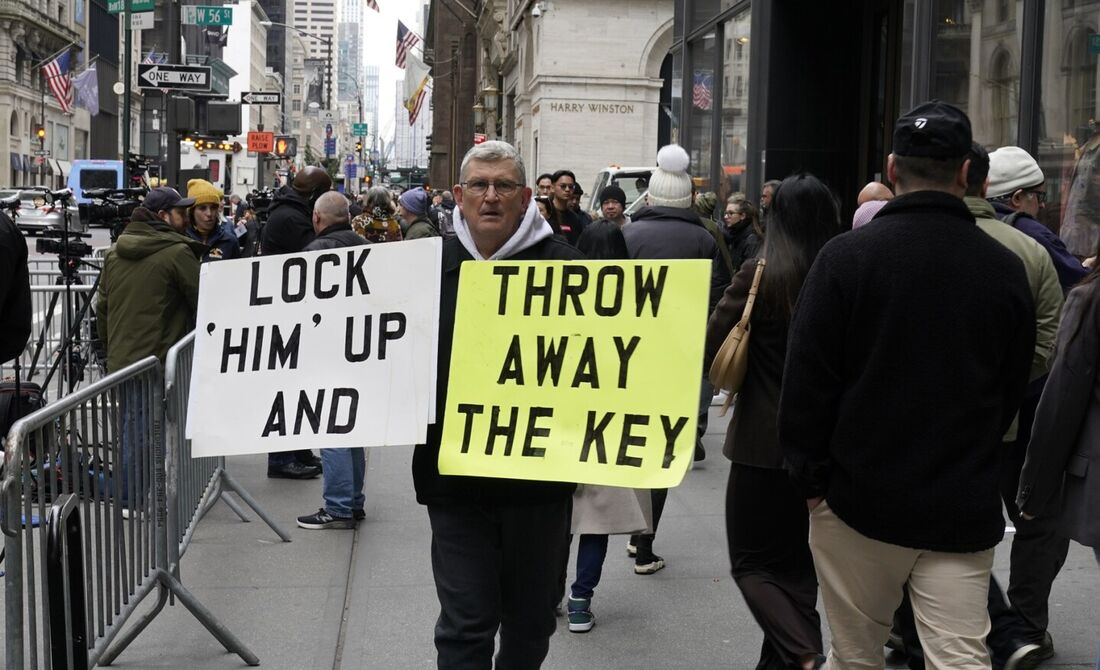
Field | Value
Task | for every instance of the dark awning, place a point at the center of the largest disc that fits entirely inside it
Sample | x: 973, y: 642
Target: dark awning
x: 16, y: 165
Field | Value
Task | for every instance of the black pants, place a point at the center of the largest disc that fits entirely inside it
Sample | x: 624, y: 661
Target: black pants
x: 497, y: 567
x: 644, y: 542
x: 768, y: 532
x: 1038, y: 549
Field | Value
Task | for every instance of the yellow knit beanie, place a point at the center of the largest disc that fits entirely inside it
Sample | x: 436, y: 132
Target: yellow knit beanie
x: 204, y: 192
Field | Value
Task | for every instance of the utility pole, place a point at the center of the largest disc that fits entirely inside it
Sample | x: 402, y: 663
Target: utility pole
x: 127, y: 75
x: 260, y: 156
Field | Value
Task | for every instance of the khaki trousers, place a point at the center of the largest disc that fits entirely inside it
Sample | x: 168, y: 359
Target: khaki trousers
x: 861, y: 586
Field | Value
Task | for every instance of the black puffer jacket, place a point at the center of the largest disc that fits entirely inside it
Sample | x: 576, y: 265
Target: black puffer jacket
x: 15, y: 291
x: 675, y: 232
x: 289, y: 223
x: 335, y: 237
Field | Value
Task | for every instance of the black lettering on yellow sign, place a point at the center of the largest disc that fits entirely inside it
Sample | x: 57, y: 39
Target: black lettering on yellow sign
x: 507, y: 430
x: 550, y: 355
x: 539, y: 292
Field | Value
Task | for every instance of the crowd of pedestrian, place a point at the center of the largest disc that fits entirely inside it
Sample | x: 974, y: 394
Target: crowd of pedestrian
x: 913, y: 374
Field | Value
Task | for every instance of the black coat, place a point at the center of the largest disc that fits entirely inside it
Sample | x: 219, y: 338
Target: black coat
x: 1064, y: 453
x: 675, y: 232
x: 335, y: 237
x: 433, y: 488
x: 15, y: 291
x: 908, y: 356
x: 289, y: 225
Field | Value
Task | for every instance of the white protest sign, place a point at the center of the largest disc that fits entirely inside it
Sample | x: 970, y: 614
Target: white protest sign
x: 333, y: 348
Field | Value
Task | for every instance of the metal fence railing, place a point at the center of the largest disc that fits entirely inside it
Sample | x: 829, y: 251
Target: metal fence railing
x: 104, y: 445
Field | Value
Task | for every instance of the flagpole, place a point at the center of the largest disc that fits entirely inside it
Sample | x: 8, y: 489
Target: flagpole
x: 42, y: 105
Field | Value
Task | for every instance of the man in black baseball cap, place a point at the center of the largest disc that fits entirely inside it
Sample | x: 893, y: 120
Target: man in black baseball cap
x: 909, y: 355
x: 169, y: 206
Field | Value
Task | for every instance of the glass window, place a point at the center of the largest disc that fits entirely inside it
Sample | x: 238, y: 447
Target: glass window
x: 987, y: 89
x: 704, y: 11
x: 735, y: 104
x: 702, y: 104
x: 1069, y: 137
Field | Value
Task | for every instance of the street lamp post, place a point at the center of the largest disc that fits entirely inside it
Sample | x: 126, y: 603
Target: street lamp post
x: 359, y: 103
x: 327, y: 41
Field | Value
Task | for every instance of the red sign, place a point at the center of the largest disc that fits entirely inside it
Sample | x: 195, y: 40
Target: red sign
x: 261, y: 142
x: 479, y: 138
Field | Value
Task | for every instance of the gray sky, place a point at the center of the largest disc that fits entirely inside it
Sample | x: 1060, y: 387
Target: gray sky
x: 380, y: 46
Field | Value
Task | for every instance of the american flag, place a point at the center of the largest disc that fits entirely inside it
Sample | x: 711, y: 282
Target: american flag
x: 56, y: 73
x: 406, y: 39
x: 373, y: 5
x: 701, y: 92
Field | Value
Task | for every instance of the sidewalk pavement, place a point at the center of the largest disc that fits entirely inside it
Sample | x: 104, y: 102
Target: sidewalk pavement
x: 365, y: 598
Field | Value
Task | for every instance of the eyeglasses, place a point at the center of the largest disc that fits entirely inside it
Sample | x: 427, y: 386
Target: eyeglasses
x: 1041, y: 196
x: 730, y: 212
x: 480, y: 187
x: 567, y: 187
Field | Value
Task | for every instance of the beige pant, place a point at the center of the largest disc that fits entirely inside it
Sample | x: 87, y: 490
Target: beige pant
x: 861, y: 586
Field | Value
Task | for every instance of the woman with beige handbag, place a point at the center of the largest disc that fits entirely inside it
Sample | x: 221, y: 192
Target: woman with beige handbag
x: 766, y: 523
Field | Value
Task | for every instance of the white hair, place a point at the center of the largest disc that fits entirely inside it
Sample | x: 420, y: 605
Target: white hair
x: 494, y: 151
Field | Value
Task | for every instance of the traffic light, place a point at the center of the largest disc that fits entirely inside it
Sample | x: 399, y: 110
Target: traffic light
x: 40, y: 132
x: 366, y: 179
x: 286, y: 147
x: 428, y: 142
x: 358, y: 146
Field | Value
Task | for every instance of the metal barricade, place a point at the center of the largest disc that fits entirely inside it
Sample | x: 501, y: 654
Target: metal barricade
x: 194, y: 484
x: 103, y: 444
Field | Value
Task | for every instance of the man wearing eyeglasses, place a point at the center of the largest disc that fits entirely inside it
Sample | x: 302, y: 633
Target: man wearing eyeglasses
x: 499, y: 546
x: 1017, y: 190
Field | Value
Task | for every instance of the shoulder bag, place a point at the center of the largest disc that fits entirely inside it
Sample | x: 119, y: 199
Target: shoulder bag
x: 727, y: 371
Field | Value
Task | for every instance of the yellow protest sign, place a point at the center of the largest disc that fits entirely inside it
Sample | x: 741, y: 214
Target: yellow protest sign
x: 583, y: 372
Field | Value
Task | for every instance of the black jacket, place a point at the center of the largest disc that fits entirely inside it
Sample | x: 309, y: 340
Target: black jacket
x: 751, y: 437
x: 675, y: 232
x: 567, y: 223
x: 15, y: 291
x: 334, y: 237
x: 743, y: 242
x: 908, y: 356
x: 289, y: 225
x: 433, y: 488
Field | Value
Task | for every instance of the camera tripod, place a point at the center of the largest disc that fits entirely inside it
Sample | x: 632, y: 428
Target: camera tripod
x: 70, y: 358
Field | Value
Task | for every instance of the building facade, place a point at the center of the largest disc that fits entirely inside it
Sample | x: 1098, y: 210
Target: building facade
x: 30, y: 32
x: 319, y: 18
x: 765, y: 88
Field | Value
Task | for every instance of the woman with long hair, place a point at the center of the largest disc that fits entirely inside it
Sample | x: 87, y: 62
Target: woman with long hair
x: 766, y: 522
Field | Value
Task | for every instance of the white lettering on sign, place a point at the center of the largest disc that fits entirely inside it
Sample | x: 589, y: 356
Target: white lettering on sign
x: 591, y: 107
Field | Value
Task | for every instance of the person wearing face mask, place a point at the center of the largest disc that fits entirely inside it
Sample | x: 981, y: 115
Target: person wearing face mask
x: 206, y: 225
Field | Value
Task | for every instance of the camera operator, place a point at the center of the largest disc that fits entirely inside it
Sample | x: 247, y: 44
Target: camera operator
x: 288, y: 230
x: 15, y: 291
x: 206, y: 225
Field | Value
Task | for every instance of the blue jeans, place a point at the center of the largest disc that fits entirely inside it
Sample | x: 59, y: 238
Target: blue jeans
x: 342, y: 483
x: 591, y: 552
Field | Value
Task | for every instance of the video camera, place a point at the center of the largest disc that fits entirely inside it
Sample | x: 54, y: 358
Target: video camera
x: 259, y: 201
x: 111, y: 207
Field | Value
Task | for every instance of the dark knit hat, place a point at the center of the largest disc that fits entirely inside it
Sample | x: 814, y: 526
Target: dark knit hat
x: 613, y: 193
x: 933, y: 129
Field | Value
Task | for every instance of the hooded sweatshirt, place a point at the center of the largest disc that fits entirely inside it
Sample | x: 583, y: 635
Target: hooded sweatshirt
x: 532, y: 241
x: 148, y: 291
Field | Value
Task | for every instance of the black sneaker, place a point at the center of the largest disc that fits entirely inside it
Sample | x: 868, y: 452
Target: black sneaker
x: 293, y: 470
x: 700, y: 453
x: 322, y: 520
x: 309, y: 458
x: 647, y: 565
x: 1030, y: 656
x: 358, y: 514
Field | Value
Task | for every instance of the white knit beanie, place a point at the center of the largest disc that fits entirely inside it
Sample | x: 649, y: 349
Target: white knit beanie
x: 1010, y: 169
x: 670, y: 184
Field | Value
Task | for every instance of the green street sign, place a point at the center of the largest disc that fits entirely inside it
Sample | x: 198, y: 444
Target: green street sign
x: 199, y: 15
x: 1094, y: 44
x: 359, y: 129
x: 118, y: 6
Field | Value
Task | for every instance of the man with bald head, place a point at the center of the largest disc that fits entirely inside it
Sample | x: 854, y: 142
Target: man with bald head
x: 288, y: 230
x: 872, y: 198
x: 874, y: 191
x: 344, y: 469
